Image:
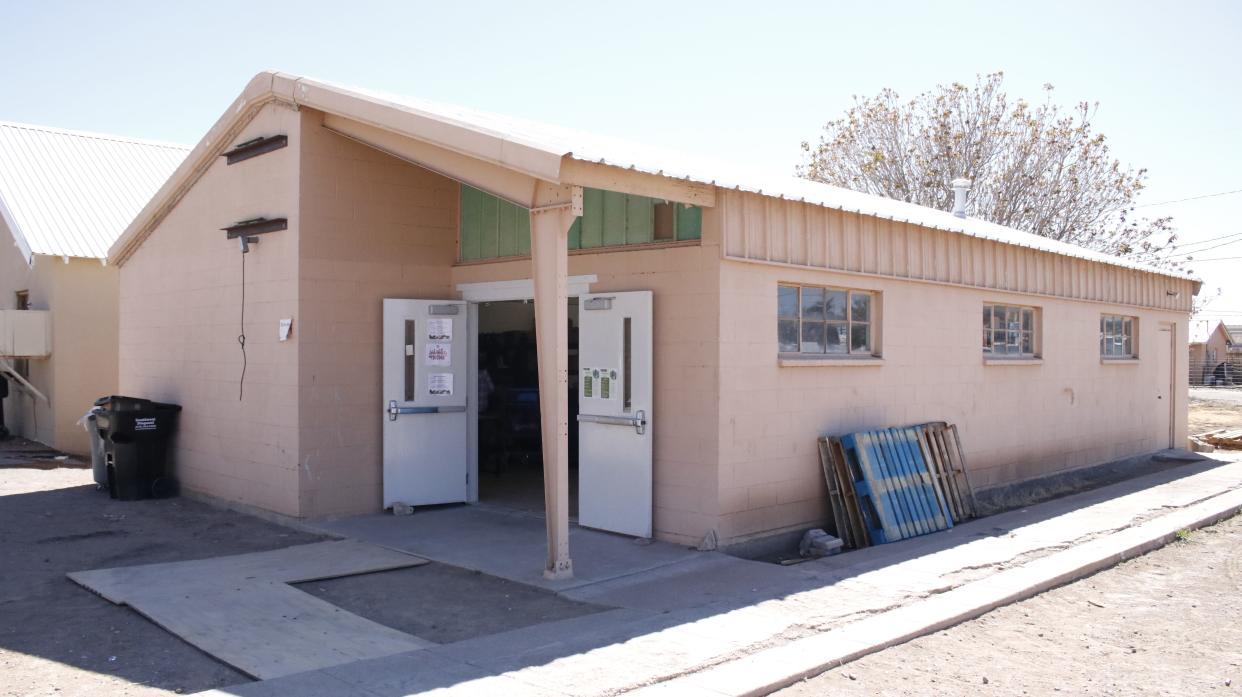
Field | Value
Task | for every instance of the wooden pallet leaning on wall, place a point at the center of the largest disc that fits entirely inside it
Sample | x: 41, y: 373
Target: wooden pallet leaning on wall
x: 840, y: 480
x: 940, y: 447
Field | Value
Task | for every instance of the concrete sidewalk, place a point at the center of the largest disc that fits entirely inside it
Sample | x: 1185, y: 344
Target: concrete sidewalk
x: 710, y: 624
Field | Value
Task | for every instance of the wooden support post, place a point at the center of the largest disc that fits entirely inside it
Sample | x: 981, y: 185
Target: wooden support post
x: 553, y: 212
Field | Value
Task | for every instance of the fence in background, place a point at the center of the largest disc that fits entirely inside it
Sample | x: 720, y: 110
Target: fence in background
x: 1219, y: 373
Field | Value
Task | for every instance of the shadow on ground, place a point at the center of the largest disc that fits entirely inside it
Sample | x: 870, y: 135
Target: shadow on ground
x: 45, y: 534
x: 701, y: 591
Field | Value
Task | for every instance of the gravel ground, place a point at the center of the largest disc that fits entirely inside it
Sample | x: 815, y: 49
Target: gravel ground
x: 1210, y: 414
x: 56, y: 638
x: 1167, y: 623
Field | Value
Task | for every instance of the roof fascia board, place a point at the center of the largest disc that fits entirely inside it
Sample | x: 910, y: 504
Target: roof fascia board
x: 258, y: 93
x: 466, y: 139
x: 600, y: 176
x: 505, y: 183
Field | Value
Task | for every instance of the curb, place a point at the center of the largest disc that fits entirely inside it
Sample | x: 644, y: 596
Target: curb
x: 778, y: 667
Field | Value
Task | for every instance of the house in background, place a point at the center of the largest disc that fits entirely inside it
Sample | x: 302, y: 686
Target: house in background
x: 65, y: 196
x: 1216, y: 359
x: 437, y: 303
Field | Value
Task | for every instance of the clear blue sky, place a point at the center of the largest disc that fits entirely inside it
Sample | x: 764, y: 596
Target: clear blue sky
x: 745, y: 81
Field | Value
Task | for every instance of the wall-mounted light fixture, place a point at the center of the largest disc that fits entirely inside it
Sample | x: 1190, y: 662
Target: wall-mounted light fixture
x: 247, y: 231
x: 254, y: 147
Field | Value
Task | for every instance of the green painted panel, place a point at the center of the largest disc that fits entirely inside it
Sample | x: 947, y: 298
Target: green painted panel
x: 615, y: 209
x: 489, y: 233
x: 639, y: 219
x: 689, y: 222
x: 472, y: 204
x: 506, y: 228
x: 492, y: 228
x: 592, y: 218
x: 521, y: 231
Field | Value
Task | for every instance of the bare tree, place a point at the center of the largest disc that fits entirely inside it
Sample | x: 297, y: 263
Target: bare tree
x: 1037, y: 168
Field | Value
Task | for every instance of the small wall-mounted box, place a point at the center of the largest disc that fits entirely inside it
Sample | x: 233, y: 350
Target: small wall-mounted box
x: 25, y: 333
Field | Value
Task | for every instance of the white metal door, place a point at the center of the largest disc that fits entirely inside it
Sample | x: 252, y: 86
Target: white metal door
x: 424, y: 410
x: 1164, y: 383
x: 615, y: 412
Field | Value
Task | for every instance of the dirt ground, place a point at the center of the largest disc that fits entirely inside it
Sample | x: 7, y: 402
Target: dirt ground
x: 1206, y: 415
x: 57, y: 638
x: 441, y: 603
x: 1168, y: 623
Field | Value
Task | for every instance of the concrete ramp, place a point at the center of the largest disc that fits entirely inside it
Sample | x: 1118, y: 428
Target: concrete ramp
x: 241, y: 610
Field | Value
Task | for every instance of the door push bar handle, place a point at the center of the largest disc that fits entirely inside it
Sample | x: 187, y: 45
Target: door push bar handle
x: 638, y: 420
x: 394, y: 410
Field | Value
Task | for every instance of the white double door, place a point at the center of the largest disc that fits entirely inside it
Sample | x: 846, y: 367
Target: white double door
x: 428, y: 405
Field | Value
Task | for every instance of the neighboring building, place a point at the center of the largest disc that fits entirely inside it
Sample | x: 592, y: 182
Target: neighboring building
x: 65, y: 196
x: 699, y: 326
x: 1216, y: 360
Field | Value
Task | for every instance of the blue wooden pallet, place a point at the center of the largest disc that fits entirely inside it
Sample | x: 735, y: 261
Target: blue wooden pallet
x: 894, y: 485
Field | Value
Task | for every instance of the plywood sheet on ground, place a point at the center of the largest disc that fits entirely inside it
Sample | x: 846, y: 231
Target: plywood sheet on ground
x: 241, y: 609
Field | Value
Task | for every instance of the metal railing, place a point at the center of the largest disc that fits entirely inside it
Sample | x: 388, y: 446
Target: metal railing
x: 1225, y: 373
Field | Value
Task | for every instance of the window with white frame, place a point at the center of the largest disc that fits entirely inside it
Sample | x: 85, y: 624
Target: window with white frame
x: 1010, y: 331
x: 820, y: 321
x: 1117, y: 336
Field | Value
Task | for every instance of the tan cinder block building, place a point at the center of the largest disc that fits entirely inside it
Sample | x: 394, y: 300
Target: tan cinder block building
x: 694, y: 328
x: 65, y: 196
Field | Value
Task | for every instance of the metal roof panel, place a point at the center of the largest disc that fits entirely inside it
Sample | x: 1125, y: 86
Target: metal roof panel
x: 71, y: 193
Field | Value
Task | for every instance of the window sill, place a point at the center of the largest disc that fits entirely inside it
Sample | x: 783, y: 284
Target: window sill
x: 1013, y: 361
x: 844, y: 362
x: 1118, y: 361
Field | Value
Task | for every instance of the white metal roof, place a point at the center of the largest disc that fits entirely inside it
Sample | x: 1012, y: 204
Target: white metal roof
x: 71, y: 194
x: 537, y: 149
x: 589, y: 147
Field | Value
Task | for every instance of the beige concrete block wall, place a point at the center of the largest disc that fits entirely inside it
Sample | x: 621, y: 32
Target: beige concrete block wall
x: 1017, y: 421
x: 181, y: 297
x: 685, y: 285
x: 82, y: 298
x: 24, y: 415
x: 373, y: 227
x: 84, y: 344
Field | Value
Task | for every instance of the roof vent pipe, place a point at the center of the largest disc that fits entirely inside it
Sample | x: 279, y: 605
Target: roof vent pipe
x: 961, y: 186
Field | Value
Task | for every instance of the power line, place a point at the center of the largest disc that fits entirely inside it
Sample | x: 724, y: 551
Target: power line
x: 1183, y: 200
x: 1210, y: 239
x: 1178, y: 251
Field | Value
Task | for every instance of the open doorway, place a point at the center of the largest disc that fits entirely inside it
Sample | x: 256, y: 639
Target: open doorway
x: 510, y: 443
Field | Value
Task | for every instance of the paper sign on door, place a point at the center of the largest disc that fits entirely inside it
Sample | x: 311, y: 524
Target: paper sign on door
x: 440, y: 384
x: 439, y: 355
x: 440, y: 329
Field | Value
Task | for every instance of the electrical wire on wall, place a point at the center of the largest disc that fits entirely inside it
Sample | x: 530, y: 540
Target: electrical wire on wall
x: 241, y: 338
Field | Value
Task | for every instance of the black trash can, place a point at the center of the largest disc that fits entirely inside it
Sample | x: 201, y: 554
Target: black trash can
x: 136, y: 433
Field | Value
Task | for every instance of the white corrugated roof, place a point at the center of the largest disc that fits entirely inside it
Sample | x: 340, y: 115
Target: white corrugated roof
x: 69, y: 193
x: 537, y: 149
x: 619, y: 153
